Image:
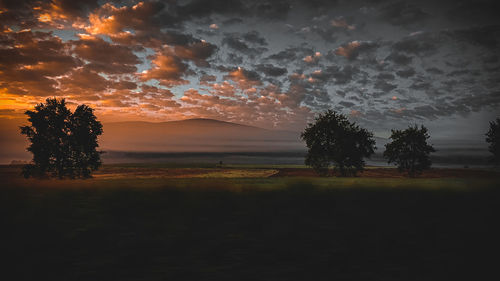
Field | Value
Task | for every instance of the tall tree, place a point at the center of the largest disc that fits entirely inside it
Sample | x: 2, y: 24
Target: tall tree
x: 63, y: 143
x: 409, y: 150
x: 493, y: 138
x: 333, y: 140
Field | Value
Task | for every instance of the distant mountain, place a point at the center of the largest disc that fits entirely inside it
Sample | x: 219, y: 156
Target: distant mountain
x: 196, y: 135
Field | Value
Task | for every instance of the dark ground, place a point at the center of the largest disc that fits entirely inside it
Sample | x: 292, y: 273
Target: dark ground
x: 205, y: 232
x: 433, y: 173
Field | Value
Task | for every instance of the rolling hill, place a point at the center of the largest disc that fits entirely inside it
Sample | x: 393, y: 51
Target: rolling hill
x: 196, y: 135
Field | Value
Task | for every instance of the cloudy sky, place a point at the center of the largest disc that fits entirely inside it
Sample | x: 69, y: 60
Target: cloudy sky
x: 273, y: 64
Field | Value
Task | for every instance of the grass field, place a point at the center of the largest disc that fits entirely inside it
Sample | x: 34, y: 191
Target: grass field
x: 163, y: 222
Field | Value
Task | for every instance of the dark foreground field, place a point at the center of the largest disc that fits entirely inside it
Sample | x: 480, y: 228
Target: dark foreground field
x: 251, y: 227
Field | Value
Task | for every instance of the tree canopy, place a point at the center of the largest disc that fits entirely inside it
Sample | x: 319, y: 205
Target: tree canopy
x: 493, y: 138
x: 63, y: 144
x: 409, y: 150
x: 333, y: 140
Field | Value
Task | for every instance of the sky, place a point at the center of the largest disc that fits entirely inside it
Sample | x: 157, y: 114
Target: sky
x: 271, y: 64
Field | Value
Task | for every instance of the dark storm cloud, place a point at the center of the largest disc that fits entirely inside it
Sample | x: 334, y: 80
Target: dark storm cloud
x: 385, y: 76
x: 269, y: 9
x: 232, y: 21
x: 425, y: 111
x: 462, y: 63
x: 399, y: 58
x: 177, y: 38
x: 201, y: 8
x: 474, y: 11
x: 406, y: 73
x: 291, y: 54
x: 347, y: 104
x: 342, y: 75
x: 420, y: 84
x: 254, y: 37
x: 402, y: 13
x: 318, y: 4
x: 271, y: 70
x: 484, y: 36
x: 198, y: 52
x: 328, y: 34
x: 477, y: 101
x: 341, y: 93
x: 417, y: 44
x: 234, y: 59
x: 434, y: 71
x: 384, y: 86
x: 355, y: 98
x: 236, y: 42
x: 447, y: 106
x: 491, y: 59
x: 317, y: 98
x: 459, y: 72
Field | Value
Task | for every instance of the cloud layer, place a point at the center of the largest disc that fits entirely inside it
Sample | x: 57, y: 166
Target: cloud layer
x: 266, y: 63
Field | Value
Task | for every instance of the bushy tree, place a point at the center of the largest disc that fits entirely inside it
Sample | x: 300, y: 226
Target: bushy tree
x: 63, y: 143
x: 333, y: 140
x: 409, y: 150
x: 493, y: 138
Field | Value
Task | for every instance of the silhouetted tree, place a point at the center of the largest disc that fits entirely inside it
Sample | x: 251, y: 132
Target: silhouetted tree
x: 409, y: 150
x: 493, y: 138
x: 63, y: 144
x: 333, y: 140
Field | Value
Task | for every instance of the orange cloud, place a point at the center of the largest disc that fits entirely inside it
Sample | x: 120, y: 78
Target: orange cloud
x: 61, y: 14
x: 168, y: 69
x: 111, y: 20
x: 103, y: 73
x: 348, y: 49
x: 355, y: 113
x: 312, y: 59
x: 244, y: 79
x: 352, y: 49
x: 225, y: 89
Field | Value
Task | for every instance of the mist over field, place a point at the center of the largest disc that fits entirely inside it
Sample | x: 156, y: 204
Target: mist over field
x: 212, y: 141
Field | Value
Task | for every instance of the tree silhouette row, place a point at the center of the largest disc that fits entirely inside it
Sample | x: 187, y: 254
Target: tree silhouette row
x: 64, y: 143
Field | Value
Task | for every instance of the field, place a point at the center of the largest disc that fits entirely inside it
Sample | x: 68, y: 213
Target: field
x: 250, y: 222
